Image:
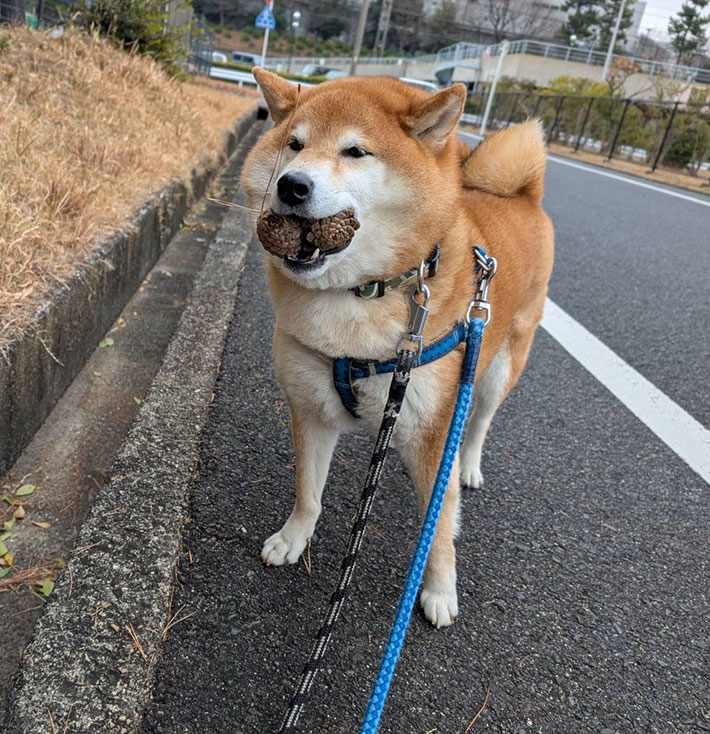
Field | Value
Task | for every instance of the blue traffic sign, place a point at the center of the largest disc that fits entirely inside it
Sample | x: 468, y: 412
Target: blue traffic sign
x: 266, y: 19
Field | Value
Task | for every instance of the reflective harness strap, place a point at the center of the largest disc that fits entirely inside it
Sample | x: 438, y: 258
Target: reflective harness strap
x: 347, y: 369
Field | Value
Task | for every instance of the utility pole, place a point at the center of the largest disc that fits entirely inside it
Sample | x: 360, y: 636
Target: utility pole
x: 612, y: 43
x: 270, y: 7
x: 383, y: 27
x: 489, y: 103
x: 362, y: 22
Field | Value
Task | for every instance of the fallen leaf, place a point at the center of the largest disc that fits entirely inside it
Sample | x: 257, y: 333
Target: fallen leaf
x: 4, y: 572
x: 3, y: 549
x: 24, y: 490
x: 46, y: 587
x: 41, y: 524
x: 8, y: 524
x: 107, y: 342
x: 19, y: 512
x: 9, y: 558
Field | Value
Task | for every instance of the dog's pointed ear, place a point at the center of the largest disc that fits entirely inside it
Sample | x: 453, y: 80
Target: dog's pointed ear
x: 434, y: 119
x: 279, y: 94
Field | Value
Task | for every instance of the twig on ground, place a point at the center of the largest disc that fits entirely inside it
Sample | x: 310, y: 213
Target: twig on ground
x: 480, y: 710
x: 136, y: 642
x: 172, y: 621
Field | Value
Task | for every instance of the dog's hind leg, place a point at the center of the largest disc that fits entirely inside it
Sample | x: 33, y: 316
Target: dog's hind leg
x: 490, y: 391
x: 314, y: 442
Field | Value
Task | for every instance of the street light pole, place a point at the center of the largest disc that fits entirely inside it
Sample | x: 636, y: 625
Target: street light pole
x: 359, y: 36
x: 502, y: 51
x: 612, y: 43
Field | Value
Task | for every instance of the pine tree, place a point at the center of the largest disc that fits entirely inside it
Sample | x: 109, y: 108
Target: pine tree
x: 582, y: 19
x: 688, y: 28
x: 609, y: 11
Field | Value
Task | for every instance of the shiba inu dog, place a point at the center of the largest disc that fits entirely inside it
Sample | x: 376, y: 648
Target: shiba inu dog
x: 389, y: 153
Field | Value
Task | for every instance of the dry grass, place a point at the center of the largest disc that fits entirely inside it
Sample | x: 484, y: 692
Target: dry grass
x: 87, y: 133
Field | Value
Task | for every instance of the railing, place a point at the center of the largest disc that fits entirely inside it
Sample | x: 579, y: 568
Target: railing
x: 473, y: 51
x: 579, y: 55
x: 668, y: 134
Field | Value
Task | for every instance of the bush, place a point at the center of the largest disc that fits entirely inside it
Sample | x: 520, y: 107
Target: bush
x: 691, y: 144
x: 135, y: 24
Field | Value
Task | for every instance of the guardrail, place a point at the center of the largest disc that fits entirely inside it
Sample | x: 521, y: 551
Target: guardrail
x: 232, y: 75
x: 579, y: 55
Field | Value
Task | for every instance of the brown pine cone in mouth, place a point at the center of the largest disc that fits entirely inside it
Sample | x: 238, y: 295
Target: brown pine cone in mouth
x: 335, y: 231
x: 282, y: 234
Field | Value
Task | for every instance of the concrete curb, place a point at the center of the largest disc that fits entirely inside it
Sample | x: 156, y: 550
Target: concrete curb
x: 90, y: 663
x: 37, y: 368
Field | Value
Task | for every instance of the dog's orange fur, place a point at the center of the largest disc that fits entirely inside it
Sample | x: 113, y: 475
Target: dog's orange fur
x: 491, y: 197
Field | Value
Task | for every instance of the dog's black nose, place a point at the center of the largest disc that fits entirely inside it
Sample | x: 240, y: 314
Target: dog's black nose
x: 294, y: 188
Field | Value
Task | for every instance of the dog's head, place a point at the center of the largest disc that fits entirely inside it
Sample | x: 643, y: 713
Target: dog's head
x: 372, y: 145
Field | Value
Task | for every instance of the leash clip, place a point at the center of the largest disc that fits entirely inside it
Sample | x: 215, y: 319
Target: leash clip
x: 488, y: 267
x: 418, y: 312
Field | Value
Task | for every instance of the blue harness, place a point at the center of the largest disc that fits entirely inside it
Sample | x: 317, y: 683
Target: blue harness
x: 347, y: 369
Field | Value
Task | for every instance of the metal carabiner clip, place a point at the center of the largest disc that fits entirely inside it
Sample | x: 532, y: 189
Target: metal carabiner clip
x: 418, y: 312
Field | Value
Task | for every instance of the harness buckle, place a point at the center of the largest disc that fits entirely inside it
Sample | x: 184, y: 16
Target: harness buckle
x: 418, y: 312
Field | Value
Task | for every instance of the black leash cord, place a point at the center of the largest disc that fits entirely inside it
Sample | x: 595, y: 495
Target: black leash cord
x: 398, y: 387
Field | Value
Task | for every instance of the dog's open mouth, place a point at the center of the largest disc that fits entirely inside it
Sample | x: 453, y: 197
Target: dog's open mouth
x: 304, y: 244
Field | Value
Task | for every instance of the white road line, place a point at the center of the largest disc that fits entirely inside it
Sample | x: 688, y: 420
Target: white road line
x: 599, y: 172
x: 689, y: 439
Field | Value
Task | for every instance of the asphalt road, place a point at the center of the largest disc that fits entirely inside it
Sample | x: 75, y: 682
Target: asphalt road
x: 583, y: 562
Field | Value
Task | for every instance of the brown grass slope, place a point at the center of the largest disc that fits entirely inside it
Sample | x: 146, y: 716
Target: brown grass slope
x: 87, y: 133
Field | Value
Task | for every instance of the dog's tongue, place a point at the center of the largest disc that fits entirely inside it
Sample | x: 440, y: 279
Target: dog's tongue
x: 288, y: 235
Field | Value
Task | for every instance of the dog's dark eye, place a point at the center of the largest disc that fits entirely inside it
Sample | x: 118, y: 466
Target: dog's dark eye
x: 355, y: 152
x: 295, y: 144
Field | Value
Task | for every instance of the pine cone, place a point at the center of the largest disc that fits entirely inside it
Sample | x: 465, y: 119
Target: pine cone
x: 280, y: 234
x: 335, y: 231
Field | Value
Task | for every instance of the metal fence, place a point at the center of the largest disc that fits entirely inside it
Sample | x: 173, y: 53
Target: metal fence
x: 647, y: 132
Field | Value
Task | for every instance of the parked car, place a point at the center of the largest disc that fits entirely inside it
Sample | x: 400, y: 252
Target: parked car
x: 327, y: 71
x: 244, y: 57
x: 219, y: 58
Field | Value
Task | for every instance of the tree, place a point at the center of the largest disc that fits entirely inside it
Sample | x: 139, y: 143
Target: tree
x: 608, y: 13
x: 442, y: 23
x: 582, y: 20
x: 688, y: 28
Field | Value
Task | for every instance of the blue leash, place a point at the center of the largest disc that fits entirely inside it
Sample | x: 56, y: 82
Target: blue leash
x: 408, y: 350
x: 416, y: 569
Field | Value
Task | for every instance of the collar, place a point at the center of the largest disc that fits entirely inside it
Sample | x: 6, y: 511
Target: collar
x: 378, y: 288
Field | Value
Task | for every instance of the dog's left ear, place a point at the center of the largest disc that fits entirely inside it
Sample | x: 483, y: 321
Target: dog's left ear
x: 434, y: 119
x: 279, y: 94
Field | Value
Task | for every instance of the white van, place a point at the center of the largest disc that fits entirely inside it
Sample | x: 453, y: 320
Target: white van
x: 244, y: 57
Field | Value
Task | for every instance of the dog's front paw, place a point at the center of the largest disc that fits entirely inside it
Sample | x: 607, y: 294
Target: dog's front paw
x: 472, y: 477
x: 285, y: 546
x: 440, y: 607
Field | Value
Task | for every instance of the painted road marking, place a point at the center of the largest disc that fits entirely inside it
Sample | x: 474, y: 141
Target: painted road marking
x: 599, y: 172
x: 684, y: 435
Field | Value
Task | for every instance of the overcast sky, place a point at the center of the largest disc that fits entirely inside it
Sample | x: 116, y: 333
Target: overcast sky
x: 657, y: 14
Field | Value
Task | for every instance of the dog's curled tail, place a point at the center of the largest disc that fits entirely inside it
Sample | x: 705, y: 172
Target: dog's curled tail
x: 509, y: 163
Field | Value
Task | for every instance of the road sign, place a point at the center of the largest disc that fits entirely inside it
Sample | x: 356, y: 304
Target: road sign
x: 266, y: 19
